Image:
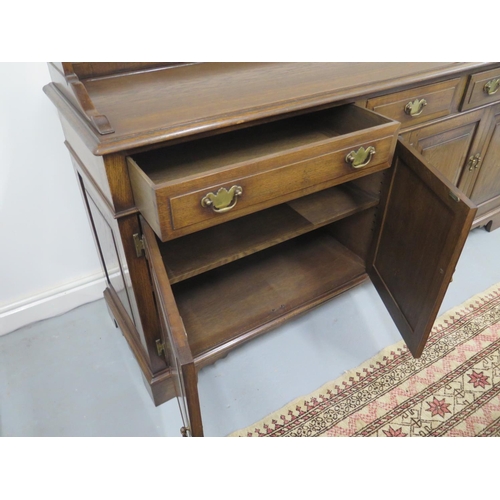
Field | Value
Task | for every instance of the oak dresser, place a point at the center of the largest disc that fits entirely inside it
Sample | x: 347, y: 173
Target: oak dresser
x: 227, y: 198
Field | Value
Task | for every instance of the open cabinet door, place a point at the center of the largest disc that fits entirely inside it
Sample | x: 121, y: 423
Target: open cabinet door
x: 177, y: 350
x: 423, y: 224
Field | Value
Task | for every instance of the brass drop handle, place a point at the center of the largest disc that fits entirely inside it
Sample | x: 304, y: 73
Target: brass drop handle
x: 492, y: 86
x: 474, y: 161
x: 224, y: 200
x: 361, y: 157
x: 415, y: 108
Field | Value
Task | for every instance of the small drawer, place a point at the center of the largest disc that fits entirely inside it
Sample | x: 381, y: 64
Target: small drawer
x: 482, y: 88
x: 187, y: 187
x: 421, y: 104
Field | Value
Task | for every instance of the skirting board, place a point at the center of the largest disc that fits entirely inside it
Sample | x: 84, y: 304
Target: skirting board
x: 51, y: 303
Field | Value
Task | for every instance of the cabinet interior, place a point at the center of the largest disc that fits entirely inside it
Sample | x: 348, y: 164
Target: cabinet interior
x: 244, y: 276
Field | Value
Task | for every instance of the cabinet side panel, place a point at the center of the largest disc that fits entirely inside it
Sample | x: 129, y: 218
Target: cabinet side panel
x: 121, y: 297
x: 108, y: 241
x: 112, y: 262
x: 124, y: 225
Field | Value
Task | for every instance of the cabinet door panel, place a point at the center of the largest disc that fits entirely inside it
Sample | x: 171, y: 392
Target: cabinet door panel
x: 448, y: 145
x: 177, y: 350
x: 487, y: 185
x: 422, y: 226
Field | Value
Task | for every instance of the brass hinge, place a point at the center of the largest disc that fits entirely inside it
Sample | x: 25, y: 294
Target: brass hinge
x: 160, y: 347
x: 139, y: 244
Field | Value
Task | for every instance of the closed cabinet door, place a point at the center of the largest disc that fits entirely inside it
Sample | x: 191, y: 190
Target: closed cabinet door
x: 486, y: 189
x: 452, y: 146
x: 423, y: 223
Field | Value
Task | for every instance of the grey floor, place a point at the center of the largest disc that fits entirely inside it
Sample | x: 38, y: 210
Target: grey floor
x: 74, y: 375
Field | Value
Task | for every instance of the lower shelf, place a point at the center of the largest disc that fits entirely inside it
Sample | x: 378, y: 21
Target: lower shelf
x: 233, y: 303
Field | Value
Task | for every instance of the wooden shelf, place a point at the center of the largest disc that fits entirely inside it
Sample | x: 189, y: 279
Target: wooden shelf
x: 234, y: 303
x: 200, y: 252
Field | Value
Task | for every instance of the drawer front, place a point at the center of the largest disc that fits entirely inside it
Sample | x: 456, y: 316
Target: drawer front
x: 482, y: 88
x: 421, y: 104
x: 273, y: 186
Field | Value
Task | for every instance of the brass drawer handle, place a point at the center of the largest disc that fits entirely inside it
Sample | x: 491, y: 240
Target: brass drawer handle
x: 474, y: 161
x: 224, y: 200
x: 361, y: 157
x: 416, y: 107
x: 492, y: 86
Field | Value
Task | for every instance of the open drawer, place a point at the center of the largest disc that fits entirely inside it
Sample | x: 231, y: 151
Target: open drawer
x: 187, y: 187
x: 323, y: 244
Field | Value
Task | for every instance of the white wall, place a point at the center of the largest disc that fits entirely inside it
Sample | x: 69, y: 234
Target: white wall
x: 48, y: 263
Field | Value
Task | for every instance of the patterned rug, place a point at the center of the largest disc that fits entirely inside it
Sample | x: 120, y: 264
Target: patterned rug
x: 452, y: 390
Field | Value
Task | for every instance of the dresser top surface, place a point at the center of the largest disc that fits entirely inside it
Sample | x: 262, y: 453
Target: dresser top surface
x: 160, y: 104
